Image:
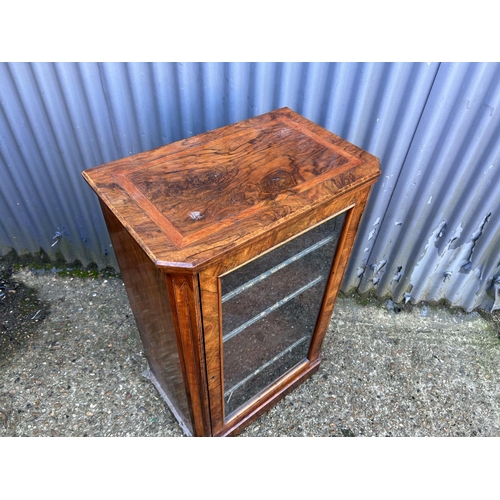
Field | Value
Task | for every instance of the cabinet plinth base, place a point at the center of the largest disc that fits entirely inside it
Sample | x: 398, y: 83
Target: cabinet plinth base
x: 149, y: 375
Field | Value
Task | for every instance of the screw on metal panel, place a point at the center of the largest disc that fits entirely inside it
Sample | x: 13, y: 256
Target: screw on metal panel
x: 442, y: 229
x: 447, y: 275
x: 57, y: 236
x: 397, y: 276
x: 377, y: 267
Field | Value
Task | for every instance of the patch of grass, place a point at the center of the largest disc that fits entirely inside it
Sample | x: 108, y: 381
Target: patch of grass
x: 77, y: 270
x: 21, y: 311
x: 40, y: 262
x: 493, y: 320
x: 371, y: 299
x: 366, y: 299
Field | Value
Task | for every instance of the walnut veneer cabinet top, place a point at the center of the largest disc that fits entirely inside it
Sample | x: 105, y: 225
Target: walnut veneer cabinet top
x: 232, y: 245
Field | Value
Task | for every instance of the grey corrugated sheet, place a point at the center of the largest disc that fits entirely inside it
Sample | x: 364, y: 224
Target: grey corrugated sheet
x: 439, y: 236
x: 59, y: 119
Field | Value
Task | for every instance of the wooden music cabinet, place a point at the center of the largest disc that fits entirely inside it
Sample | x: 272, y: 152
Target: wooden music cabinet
x: 232, y: 246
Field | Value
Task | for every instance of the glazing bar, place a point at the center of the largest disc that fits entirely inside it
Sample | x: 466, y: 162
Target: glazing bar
x: 281, y: 265
x: 269, y: 310
x: 265, y: 365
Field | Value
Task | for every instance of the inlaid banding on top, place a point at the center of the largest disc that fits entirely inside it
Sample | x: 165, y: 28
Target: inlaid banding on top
x: 193, y: 194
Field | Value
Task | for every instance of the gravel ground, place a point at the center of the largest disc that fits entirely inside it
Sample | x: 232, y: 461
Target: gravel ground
x: 71, y: 364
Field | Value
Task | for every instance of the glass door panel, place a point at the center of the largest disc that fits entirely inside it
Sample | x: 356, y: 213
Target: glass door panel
x: 269, y: 311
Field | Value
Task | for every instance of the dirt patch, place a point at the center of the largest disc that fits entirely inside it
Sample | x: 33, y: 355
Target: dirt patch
x: 21, y: 312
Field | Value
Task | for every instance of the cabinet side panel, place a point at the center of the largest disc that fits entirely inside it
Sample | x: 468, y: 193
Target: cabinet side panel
x: 148, y: 295
x: 185, y: 299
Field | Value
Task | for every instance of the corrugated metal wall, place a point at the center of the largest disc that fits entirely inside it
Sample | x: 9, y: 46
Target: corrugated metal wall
x: 433, y: 126
x: 438, y: 237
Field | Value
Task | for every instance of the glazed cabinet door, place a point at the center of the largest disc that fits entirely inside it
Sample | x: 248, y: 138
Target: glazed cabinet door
x: 269, y: 311
x: 261, y: 316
